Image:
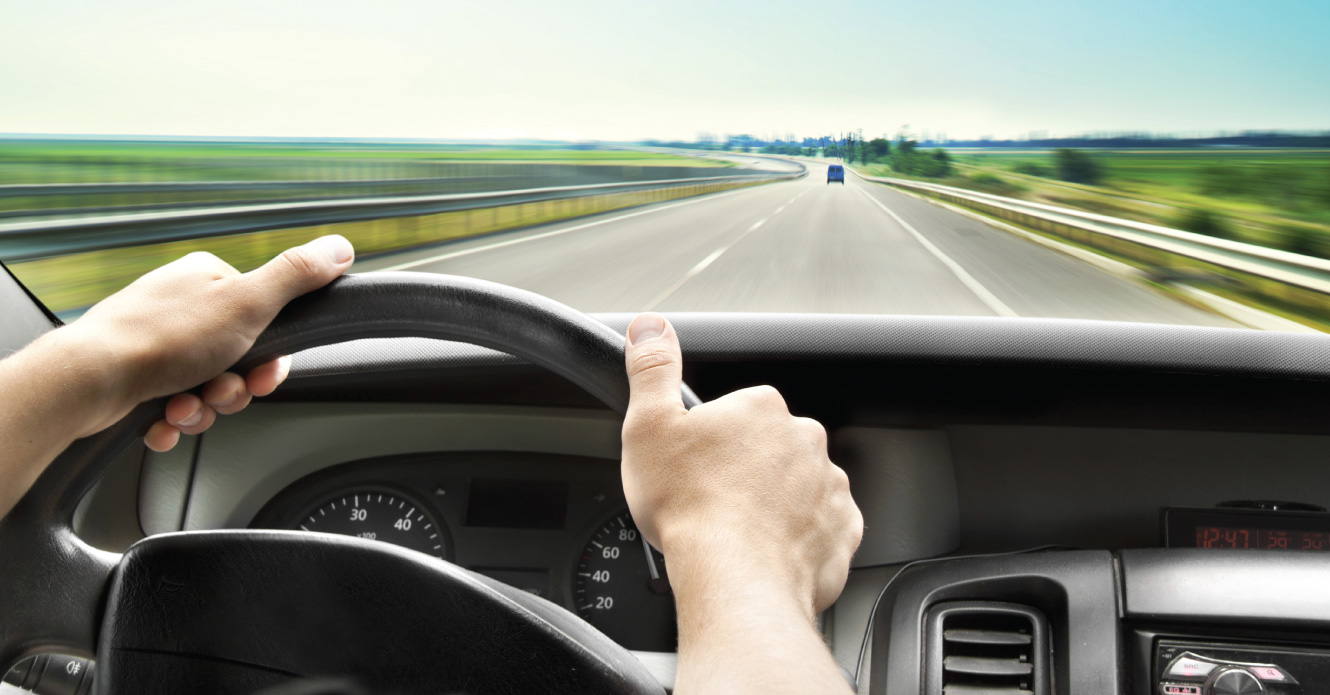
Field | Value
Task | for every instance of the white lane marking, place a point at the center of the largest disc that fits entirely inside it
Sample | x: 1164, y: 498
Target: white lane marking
x: 787, y: 203
x: 988, y: 298
x: 556, y: 232
x: 701, y: 266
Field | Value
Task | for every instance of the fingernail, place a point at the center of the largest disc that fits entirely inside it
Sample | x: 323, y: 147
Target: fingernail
x: 192, y: 419
x: 646, y: 327
x: 227, y: 401
x: 336, y: 246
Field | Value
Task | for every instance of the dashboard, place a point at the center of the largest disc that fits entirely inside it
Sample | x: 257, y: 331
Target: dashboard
x: 1071, y: 494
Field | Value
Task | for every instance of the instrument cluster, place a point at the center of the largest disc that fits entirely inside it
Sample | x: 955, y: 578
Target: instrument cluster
x: 555, y: 526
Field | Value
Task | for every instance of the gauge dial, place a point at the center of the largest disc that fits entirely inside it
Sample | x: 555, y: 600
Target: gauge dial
x: 621, y: 588
x: 378, y: 515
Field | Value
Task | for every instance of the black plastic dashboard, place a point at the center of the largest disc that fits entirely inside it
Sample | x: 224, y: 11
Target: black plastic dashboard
x: 961, y: 436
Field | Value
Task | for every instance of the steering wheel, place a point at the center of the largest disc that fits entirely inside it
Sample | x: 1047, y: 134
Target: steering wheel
x: 240, y: 610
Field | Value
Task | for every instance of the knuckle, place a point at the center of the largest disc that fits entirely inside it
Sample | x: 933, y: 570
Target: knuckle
x: 856, y: 533
x: 202, y: 257
x: 650, y: 359
x: 856, y: 524
x: 208, y: 262
x: 763, y: 396
x: 813, y: 428
x: 303, y: 263
x: 841, y: 478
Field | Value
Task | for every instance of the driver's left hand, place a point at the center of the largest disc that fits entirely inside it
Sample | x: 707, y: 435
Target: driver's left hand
x: 182, y: 324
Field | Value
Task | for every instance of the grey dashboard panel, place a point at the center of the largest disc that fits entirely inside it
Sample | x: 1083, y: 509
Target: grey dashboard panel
x: 163, y: 486
x: 1227, y: 587
x: 1104, y: 488
x: 248, y: 457
x: 849, y: 623
x: 905, y: 486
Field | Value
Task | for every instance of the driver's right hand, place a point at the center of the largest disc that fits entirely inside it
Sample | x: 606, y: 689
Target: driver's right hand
x: 736, y: 489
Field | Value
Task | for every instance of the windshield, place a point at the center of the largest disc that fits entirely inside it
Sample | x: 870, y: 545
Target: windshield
x: 1148, y: 162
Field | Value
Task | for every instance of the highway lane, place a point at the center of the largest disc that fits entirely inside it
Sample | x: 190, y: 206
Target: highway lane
x: 799, y: 246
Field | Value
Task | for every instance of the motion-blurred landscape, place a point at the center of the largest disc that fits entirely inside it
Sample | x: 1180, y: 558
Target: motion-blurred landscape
x: 1265, y: 189
x: 1157, y: 162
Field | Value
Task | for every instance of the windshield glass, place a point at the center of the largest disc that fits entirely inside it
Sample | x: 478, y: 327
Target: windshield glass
x: 1138, y: 161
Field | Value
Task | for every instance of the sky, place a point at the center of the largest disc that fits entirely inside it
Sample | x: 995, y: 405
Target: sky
x: 632, y: 69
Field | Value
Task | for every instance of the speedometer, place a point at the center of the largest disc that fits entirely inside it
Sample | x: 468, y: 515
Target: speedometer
x: 622, y: 589
x: 378, y: 515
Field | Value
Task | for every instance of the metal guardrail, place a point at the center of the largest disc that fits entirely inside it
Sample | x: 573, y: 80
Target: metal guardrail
x: 33, y: 240
x: 1289, y: 277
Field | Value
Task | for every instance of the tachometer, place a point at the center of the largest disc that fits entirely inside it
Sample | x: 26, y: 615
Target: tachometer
x: 621, y: 588
x: 378, y: 515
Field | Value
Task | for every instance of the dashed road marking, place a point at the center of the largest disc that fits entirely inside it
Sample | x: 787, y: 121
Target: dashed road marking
x: 556, y: 232
x: 988, y: 298
x: 701, y: 265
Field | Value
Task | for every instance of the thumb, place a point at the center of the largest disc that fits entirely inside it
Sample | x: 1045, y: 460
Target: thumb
x: 655, y: 365
x: 302, y: 269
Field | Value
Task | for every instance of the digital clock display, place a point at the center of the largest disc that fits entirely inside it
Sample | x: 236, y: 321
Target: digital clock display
x: 1246, y: 529
x: 1266, y: 539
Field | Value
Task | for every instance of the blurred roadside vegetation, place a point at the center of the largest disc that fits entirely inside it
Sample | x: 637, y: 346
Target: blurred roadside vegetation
x: 902, y: 157
x: 1279, y: 198
x: 115, y: 161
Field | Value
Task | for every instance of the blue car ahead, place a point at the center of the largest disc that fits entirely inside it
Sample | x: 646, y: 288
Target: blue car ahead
x: 836, y: 172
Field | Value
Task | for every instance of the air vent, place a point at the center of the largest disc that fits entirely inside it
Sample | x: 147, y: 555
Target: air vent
x: 985, y: 648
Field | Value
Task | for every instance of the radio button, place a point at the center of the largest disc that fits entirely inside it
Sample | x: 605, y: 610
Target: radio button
x: 1269, y: 673
x: 1235, y: 681
x: 1186, y: 668
x: 1179, y: 689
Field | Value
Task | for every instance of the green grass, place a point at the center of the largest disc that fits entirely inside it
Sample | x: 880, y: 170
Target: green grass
x: 1272, y: 196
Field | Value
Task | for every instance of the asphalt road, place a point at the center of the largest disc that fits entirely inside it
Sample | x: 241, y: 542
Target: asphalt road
x: 799, y: 246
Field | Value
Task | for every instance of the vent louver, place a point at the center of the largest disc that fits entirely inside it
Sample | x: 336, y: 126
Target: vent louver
x: 987, y: 648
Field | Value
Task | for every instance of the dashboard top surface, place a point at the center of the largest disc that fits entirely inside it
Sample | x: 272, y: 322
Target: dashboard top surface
x: 914, y: 339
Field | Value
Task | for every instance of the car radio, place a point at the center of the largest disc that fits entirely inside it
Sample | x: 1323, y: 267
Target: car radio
x: 1207, y: 668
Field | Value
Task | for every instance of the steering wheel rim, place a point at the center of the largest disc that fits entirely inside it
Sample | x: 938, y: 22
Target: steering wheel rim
x: 58, y: 584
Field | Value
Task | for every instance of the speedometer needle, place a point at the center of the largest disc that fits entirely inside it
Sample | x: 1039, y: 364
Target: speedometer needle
x: 651, y: 559
x: 658, y: 584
